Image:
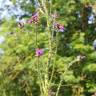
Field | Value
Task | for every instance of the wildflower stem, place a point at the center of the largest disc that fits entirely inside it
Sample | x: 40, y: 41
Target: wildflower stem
x: 60, y: 83
x: 36, y: 35
x: 59, y: 87
x: 53, y: 66
x: 46, y: 76
x: 50, y: 1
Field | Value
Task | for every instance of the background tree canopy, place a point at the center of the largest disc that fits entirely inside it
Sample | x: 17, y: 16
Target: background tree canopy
x: 50, y: 50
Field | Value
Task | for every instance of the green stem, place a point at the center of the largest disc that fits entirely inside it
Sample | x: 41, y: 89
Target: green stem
x: 35, y: 30
x: 59, y: 87
x: 56, y: 41
x: 60, y: 83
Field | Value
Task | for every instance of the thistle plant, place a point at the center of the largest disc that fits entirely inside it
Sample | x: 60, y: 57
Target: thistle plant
x: 50, y: 51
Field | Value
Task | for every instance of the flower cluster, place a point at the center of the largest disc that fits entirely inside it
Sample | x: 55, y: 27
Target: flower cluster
x: 34, y: 18
x: 59, y: 27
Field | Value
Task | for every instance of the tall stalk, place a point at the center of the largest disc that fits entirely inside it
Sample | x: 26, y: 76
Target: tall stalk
x: 61, y: 81
x: 46, y: 82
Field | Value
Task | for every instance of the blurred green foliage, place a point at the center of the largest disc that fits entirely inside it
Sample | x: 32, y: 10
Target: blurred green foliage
x: 19, y: 72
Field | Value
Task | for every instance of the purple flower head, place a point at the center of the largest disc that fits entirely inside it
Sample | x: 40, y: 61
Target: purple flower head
x: 39, y: 52
x: 34, y: 18
x: 59, y: 27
